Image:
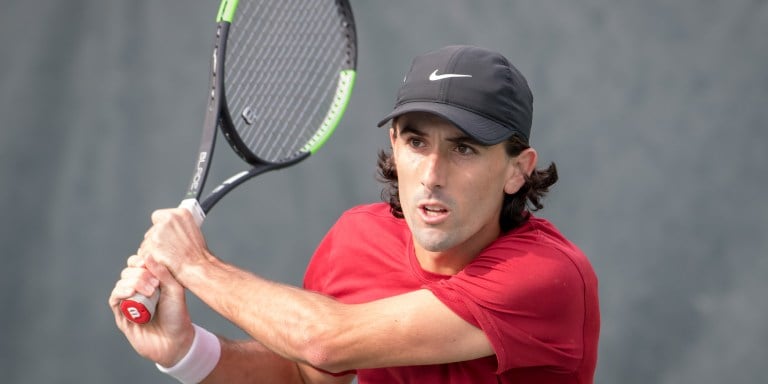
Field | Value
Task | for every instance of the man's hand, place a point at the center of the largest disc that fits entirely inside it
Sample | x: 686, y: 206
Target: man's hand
x: 175, y: 241
x: 168, y: 337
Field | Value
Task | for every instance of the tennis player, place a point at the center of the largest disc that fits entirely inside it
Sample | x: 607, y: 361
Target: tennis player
x: 452, y: 279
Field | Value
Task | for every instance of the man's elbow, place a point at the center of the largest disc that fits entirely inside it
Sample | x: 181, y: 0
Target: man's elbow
x: 322, y: 348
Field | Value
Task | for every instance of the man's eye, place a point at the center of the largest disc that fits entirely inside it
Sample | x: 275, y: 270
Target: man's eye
x: 414, y: 142
x: 465, y: 149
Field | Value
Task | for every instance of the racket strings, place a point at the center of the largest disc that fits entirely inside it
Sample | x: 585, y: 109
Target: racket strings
x: 295, y: 86
x: 299, y: 49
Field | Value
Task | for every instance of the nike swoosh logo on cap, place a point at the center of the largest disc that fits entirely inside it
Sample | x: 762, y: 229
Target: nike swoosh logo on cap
x: 434, y: 76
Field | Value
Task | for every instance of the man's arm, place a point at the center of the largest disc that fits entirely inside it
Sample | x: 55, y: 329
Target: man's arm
x: 168, y: 337
x: 247, y: 361
x: 410, y: 329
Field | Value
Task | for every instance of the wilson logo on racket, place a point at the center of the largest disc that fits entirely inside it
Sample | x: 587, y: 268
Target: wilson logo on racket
x: 249, y: 115
x: 135, y: 314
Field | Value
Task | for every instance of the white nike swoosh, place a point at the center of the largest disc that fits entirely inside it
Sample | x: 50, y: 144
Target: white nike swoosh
x: 434, y: 76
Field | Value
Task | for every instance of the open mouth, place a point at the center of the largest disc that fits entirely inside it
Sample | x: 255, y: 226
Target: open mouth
x: 433, y: 213
x: 433, y: 210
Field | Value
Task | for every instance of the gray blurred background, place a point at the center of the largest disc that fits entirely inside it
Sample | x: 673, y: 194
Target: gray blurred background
x: 654, y: 111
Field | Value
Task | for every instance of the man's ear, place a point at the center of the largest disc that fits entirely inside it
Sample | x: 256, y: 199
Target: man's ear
x: 521, y: 166
x: 393, y: 138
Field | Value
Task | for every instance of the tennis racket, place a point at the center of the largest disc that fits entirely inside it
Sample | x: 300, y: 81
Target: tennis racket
x: 281, y: 77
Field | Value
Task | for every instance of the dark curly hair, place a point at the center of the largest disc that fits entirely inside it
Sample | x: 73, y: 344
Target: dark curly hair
x: 513, y: 210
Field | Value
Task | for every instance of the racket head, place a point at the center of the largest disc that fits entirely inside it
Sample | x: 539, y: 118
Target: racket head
x: 288, y: 72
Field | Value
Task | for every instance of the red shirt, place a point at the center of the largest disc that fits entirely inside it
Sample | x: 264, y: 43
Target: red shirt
x: 531, y: 291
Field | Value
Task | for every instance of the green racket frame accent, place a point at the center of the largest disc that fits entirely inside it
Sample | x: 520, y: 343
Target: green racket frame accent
x: 333, y: 117
x: 227, y: 11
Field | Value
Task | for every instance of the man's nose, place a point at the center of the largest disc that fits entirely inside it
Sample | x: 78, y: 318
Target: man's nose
x: 434, y: 171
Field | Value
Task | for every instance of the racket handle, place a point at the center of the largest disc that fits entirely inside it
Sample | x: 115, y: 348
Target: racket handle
x: 139, y: 308
x: 193, y: 206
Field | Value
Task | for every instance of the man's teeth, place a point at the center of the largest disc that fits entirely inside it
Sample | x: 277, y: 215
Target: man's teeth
x: 434, y: 209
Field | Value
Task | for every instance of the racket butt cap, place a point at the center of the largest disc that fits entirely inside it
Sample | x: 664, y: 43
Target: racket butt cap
x: 139, y: 308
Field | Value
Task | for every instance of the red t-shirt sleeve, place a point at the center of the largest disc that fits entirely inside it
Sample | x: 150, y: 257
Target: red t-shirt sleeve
x: 529, y: 301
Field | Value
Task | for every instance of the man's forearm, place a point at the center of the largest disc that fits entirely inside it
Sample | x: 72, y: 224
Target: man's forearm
x: 413, y: 328
x: 247, y: 361
x: 284, y: 319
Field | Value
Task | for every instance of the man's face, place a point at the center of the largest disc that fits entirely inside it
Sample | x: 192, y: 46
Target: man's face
x: 451, y: 188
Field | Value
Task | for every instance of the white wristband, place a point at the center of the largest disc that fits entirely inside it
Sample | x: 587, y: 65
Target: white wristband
x: 199, y: 360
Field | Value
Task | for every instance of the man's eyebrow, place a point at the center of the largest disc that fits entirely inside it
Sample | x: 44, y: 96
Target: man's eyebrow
x: 466, y: 139
x: 408, y: 128
x: 462, y: 138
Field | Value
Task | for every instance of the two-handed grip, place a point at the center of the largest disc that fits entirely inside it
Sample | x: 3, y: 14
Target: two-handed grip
x: 139, y: 308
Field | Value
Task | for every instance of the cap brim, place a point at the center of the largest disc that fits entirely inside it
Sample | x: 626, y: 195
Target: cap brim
x: 482, y: 129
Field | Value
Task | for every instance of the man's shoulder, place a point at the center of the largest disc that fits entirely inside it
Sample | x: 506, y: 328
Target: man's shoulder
x: 538, y: 238
x: 370, y: 219
x: 536, y: 230
x: 378, y: 211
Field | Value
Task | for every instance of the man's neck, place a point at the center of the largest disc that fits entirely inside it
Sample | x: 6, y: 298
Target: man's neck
x: 452, y: 261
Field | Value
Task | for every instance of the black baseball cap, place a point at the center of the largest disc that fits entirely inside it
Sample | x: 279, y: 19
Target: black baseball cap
x: 476, y: 89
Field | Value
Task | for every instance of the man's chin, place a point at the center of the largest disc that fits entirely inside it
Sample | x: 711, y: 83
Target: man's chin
x: 433, y: 240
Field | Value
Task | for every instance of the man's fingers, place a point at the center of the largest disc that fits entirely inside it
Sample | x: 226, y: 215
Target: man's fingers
x: 161, y: 215
x: 133, y: 278
x: 127, y: 286
x: 139, y: 274
x: 176, y: 217
x: 135, y: 261
x: 170, y: 285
